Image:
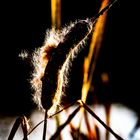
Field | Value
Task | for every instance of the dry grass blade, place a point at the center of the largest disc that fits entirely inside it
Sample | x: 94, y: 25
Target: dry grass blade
x: 98, y: 119
x: 89, y: 66
x: 66, y: 123
x: 93, y: 134
x: 95, y: 42
x: 94, y: 49
x: 75, y: 132
x: 90, y: 134
x: 14, y: 128
x: 87, y: 123
x: 24, y: 124
x: 51, y: 116
x: 102, y: 11
x: 108, y: 112
x: 97, y: 133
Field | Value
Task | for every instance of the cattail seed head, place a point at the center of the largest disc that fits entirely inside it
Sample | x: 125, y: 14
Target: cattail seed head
x: 51, y: 62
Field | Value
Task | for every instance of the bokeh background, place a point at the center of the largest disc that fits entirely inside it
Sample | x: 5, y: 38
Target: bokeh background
x: 24, y: 26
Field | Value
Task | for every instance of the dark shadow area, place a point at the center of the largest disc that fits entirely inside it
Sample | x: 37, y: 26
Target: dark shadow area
x: 24, y: 26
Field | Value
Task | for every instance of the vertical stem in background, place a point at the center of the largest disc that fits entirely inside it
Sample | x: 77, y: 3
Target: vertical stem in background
x: 95, y: 43
x: 56, y: 13
x: 107, y: 111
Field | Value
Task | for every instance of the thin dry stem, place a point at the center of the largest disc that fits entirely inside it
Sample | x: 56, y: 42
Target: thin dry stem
x: 45, y: 126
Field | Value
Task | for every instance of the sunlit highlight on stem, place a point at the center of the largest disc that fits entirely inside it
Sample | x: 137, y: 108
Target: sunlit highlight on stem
x: 56, y: 13
x: 95, y: 42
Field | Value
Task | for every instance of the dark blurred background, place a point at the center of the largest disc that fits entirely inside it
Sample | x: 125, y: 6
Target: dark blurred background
x: 23, y: 27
